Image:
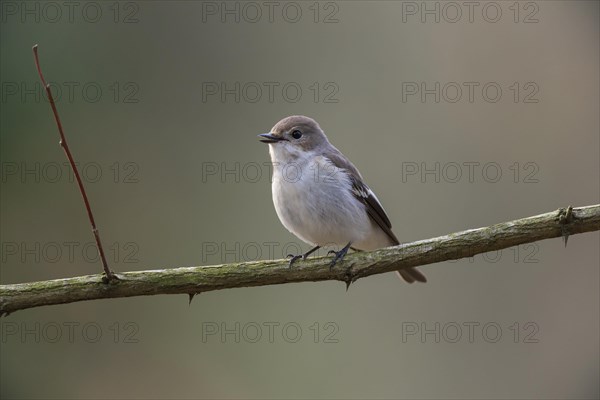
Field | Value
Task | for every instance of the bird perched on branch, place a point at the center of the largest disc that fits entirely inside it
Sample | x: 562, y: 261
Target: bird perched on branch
x: 321, y: 197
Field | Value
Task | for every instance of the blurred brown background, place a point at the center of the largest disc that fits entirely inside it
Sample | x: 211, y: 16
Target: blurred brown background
x: 176, y: 176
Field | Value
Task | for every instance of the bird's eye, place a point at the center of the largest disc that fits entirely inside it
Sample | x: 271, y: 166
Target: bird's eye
x: 296, y: 134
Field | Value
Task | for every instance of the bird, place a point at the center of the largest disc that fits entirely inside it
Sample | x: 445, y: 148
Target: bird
x: 321, y: 197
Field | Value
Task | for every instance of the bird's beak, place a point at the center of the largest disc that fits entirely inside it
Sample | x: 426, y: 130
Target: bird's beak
x: 270, y: 138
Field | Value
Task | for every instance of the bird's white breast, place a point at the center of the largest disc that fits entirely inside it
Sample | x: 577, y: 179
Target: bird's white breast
x: 314, y: 201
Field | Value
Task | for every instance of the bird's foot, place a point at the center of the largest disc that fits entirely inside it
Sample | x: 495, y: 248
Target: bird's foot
x: 339, y: 255
x: 295, y: 258
x: 302, y: 256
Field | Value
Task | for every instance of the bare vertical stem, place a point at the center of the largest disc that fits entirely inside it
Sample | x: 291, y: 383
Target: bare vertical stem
x: 63, y: 143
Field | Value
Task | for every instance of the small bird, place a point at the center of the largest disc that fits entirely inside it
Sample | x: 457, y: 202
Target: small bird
x: 320, y: 196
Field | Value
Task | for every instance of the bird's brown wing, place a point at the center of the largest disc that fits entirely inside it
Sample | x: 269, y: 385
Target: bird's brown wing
x: 363, y: 193
x: 374, y: 208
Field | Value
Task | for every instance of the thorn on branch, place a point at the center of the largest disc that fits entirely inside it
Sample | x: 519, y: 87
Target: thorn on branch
x: 191, y: 295
x: 348, y: 278
x: 565, y: 217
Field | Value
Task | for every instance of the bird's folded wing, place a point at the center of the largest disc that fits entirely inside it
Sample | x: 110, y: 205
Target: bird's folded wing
x: 363, y: 193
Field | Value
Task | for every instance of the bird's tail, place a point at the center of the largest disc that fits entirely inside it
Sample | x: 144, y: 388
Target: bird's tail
x: 411, y: 275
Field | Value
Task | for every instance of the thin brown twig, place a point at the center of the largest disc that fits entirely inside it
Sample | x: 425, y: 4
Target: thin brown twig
x: 63, y: 143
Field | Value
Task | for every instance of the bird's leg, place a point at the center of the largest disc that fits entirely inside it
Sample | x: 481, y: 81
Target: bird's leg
x: 302, y: 256
x: 339, y: 255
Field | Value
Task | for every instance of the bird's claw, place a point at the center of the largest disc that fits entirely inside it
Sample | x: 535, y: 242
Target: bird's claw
x: 339, y: 256
x: 294, y: 259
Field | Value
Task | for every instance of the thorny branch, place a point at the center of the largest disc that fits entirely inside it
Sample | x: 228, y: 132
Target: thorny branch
x: 194, y: 280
